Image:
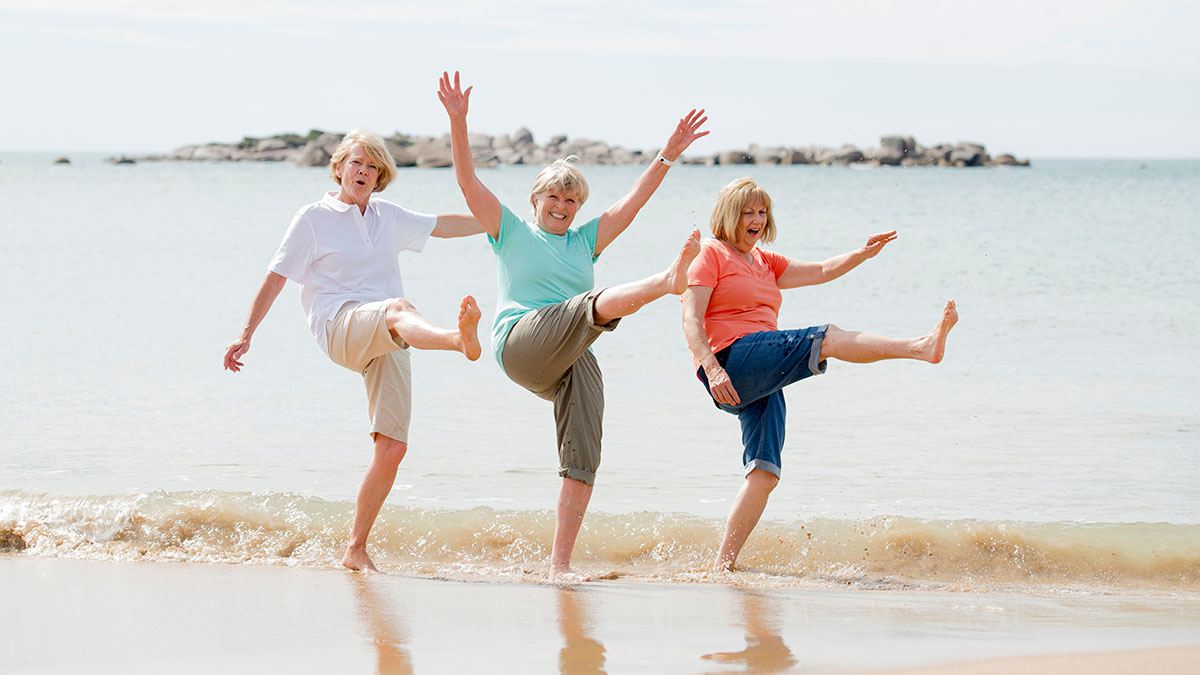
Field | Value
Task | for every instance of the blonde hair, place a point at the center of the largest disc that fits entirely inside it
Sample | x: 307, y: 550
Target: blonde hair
x: 734, y: 198
x: 560, y: 176
x: 376, y: 149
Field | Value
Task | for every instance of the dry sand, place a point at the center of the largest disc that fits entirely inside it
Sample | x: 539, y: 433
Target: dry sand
x: 64, y: 616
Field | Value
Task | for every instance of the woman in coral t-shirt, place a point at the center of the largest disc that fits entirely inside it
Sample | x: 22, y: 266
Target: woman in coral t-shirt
x: 730, y: 315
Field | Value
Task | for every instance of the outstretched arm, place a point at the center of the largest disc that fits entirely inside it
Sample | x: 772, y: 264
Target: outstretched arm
x: 480, y: 200
x: 695, y: 303
x: 618, y: 216
x: 455, y: 225
x: 269, y: 290
x: 801, y: 273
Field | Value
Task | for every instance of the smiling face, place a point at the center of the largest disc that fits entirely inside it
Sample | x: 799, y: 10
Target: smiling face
x: 742, y: 216
x: 555, y: 210
x: 358, y: 175
x: 751, y: 226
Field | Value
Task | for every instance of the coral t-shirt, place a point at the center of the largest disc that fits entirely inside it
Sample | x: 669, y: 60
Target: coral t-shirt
x: 745, y: 297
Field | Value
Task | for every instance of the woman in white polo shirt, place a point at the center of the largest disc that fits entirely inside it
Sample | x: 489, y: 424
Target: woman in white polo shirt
x: 343, y: 250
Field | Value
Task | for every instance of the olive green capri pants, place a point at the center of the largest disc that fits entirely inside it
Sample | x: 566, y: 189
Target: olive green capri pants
x: 546, y: 351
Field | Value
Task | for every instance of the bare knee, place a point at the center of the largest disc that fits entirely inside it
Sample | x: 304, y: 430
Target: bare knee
x: 388, y: 451
x: 399, y: 306
x: 396, y: 309
x: 829, y: 343
x: 762, y: 481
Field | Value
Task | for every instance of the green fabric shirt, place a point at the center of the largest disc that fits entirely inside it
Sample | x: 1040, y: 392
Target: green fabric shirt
x: 535, y: 268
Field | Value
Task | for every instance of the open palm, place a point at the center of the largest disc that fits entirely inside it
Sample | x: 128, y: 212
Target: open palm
x: 453, y: 97
x: 685, y: 133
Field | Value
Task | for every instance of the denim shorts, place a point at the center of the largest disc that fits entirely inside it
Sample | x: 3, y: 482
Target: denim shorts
x: 759, y: 366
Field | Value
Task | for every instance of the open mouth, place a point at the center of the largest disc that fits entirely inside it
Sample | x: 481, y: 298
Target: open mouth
x: 753, y: 232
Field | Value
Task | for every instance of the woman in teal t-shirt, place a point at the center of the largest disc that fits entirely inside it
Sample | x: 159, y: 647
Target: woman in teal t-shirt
x: 548, y: 312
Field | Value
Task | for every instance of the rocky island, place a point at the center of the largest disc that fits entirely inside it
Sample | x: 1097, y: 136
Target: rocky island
x: 315, y: 148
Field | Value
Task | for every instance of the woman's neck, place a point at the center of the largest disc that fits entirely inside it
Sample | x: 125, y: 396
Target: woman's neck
x: 349, y: 199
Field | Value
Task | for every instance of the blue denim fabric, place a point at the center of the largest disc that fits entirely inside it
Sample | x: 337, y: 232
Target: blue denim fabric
x: 760, y: 365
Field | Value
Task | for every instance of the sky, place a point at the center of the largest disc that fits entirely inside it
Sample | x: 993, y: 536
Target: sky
x: 1033, y: 78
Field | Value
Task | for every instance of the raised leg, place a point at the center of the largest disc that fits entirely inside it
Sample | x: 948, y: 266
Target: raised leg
x: 625, y: 299
x: 573, y: 498
x: 743, y: 516
x: 376, y: 484
x: 867, y: 348
x: 404, y: 320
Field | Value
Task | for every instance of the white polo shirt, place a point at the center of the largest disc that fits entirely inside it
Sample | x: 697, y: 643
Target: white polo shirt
x: 339, y: 255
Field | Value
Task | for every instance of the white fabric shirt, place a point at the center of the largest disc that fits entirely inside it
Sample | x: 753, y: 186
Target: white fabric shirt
x: 339, y: 255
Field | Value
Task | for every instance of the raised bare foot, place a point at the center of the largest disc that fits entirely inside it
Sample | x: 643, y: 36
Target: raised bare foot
x: 677, y: 274
x: 566, y: 576
x: 934, y: 344
x: 468, y: 328
x: 358, y: 560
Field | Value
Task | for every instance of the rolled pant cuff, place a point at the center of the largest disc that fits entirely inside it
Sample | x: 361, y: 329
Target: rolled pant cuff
x: 764, y: 465
x: 393, y: 432
x: 585, y: 477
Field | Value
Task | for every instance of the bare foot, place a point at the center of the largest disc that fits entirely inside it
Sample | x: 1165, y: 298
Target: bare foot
x: 566, y: 576
x: 726, y: 566
x: 934, y: 344
x: 677, y: 274
x: 358, y: 560
x: 468, y: 328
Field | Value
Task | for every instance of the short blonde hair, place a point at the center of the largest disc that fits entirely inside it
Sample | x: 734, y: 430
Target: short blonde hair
x: 376, y: 149
x: 734, y: 198
x: 560, y: 176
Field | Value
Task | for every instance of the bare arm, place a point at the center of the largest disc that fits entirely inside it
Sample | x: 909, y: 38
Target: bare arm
x: 618, y: 216
x: 269, y: 290
x: 801, y: 273
x: 454, y: 225
x: 695, y: 303
x: 480, y: 200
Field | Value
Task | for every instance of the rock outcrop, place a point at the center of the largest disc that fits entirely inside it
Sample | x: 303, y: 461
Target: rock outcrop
x: 316, y: 148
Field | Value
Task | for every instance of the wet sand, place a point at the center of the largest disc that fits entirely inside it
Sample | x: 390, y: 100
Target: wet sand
x: 65, y: 615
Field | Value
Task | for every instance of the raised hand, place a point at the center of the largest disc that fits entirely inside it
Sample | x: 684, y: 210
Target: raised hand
x: 876, y: 243
x: 685, y: 133
x: 453, y: 97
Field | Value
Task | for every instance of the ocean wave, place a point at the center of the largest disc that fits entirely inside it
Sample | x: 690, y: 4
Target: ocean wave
x: 488, y: 544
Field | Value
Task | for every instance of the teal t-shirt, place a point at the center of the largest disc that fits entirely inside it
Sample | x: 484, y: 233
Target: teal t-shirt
x: 535, y: 268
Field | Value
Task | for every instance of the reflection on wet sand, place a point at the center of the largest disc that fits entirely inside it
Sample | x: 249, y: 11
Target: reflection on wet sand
x: 580, y: 653
x: 384, y: 629
x: 765, y: 650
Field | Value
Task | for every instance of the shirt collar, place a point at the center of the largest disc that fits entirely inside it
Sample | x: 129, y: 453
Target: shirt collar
x: 331, y: 200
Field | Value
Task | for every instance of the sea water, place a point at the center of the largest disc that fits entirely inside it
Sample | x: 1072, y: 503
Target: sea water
x: 1055, y: 447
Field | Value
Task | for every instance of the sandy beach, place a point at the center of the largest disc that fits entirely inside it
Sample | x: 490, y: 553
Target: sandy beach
x: 71, y: 615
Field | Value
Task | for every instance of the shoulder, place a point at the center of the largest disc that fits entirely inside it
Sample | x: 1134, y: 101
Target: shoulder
x: 712, y: 251
x: 308, y: 210
x: 773, y: 258
x: 396, y: 212
x: 506, y: 214
x: 777, y: 262
x: 302, y: 221
x: 510, y: 224
x: 589, y: 228
x: 706, y: 269
x: 510, y: 220
x: 584, y: 236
